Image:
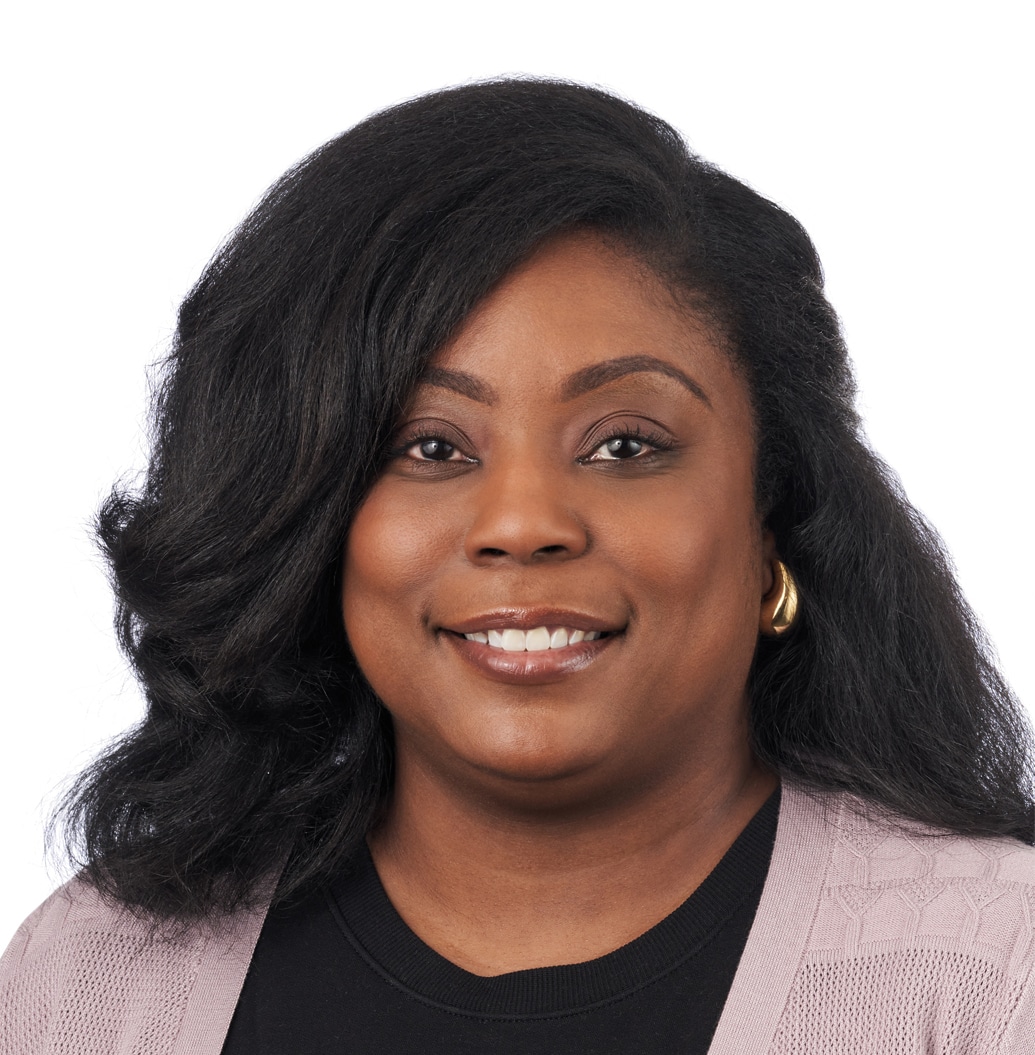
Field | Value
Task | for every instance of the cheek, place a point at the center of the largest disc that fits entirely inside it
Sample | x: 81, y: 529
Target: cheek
x: 702, y: 562
x: 390, y: 555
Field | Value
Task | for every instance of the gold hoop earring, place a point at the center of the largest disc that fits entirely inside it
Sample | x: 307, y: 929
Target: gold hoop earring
x: 780, y: 608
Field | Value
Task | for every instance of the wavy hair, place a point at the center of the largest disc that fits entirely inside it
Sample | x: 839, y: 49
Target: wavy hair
x: 293, y: 356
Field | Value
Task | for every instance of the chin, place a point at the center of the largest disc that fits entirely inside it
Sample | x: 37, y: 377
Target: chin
x: 540, y: 777
x: 527, y: 747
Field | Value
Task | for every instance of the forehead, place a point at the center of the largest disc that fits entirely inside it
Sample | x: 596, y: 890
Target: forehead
x: 581, y: 313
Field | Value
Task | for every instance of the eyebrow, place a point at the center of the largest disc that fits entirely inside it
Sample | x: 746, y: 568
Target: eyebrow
x: 461, y: 383
x: 577, y: 384
x: 590, y: 377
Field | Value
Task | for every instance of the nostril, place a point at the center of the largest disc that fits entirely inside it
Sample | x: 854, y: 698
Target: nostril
x: 526, y: 533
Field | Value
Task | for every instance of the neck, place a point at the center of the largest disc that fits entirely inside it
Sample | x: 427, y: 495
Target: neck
x: 495, y: 885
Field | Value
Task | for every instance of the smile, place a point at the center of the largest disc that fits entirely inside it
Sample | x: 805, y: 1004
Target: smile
x: 539, y: 639
x: 542, y: 651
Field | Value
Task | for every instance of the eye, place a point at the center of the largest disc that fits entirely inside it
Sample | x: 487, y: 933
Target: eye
x: 619, y: 448
x: 628, y: 445
x: 433, y: 450
x: 429, y: 449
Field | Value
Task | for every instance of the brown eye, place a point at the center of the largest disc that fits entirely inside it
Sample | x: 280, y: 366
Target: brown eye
x: 422, y: 445
x: 433, y: 450
x: 620, y: 447
x: 631, y: 444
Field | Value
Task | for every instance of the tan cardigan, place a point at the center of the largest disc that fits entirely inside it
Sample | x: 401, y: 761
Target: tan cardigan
x: 870, y: 939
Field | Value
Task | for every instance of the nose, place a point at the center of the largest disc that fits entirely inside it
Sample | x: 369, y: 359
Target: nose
x: 524, y: 513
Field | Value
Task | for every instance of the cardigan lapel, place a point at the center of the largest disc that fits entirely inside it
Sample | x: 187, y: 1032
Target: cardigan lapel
x: 775, y: 946
x: 217, y: 987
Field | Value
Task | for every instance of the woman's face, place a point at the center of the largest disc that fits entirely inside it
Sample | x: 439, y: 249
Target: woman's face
x: 555, y: 585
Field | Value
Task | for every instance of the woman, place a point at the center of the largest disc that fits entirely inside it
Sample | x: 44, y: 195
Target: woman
x: 521, y: 610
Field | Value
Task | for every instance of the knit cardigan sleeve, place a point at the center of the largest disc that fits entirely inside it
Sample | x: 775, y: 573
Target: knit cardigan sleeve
x: 82, y: 976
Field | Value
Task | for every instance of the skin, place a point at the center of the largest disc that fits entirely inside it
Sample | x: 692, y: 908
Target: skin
x: 548, y: 820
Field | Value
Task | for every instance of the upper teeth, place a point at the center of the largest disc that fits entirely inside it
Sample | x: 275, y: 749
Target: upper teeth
x: 537, y: 640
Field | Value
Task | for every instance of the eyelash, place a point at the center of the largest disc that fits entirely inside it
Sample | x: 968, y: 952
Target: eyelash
x: 649, y: 438
x: 416, y: 439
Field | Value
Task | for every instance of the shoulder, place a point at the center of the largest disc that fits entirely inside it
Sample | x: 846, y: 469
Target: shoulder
x: 864, y: 843
x: 912, y: 922
x: 82, y: 968
x: 911, y: 879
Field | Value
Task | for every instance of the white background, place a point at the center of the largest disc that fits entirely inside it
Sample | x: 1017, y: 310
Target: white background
x: 138, y: 135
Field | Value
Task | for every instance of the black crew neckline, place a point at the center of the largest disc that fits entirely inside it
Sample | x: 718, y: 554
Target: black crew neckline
x: 379, y: 934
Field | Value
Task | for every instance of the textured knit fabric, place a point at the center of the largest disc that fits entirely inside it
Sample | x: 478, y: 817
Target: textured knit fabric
x: 871, y: 938
x: 342, y: 972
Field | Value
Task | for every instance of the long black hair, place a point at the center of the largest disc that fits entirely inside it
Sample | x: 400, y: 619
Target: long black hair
x: 293, y: 356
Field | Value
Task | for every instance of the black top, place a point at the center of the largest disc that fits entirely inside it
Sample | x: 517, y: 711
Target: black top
x: 342, y: 973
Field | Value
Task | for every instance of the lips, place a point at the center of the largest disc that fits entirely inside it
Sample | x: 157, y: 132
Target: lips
x: 531, y: 646
x: 521, y: 617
